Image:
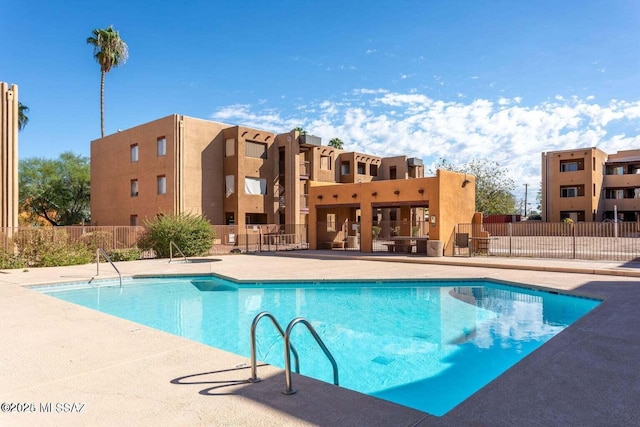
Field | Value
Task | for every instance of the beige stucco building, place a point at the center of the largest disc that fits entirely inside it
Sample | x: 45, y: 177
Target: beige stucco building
x: 449, y: 198
x: 587, y: 184
x: 9, y: 111
x: 230, y: 174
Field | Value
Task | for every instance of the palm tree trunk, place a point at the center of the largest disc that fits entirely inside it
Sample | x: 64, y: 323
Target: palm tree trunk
x: 102, y: 102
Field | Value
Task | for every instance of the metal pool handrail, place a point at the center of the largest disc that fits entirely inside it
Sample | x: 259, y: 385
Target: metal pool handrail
x: 287, y: 358
x: 99, y: 252
x: 171, y: 246
x: 254, y: 368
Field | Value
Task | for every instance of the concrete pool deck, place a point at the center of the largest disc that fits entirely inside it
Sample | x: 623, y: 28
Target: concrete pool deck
x: 114, y: 371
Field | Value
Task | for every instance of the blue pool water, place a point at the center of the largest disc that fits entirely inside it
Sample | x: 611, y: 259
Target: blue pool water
x: 424, y: 344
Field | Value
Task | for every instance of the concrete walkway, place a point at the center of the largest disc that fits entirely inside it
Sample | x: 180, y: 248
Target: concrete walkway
x: 95, y: 369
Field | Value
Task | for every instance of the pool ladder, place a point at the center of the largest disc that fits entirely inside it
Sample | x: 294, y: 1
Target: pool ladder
x: 288, y: 349
x: 102, y: 252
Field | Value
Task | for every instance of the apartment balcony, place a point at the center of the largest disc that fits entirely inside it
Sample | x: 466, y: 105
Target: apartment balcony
x: 621, y: 181
x: 627, y: 204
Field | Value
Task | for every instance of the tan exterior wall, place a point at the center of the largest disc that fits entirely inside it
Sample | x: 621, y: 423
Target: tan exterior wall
x: 207, y: 167
x: 112, y: 171
x: 8, y: 155
x: 244, y: 166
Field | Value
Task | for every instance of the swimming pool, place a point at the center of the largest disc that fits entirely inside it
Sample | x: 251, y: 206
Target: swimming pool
x: 424, y: 344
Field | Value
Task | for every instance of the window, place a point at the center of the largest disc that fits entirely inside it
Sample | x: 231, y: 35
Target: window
x: 256, y: 150
x: 615, y: 170
x: 325, y: 163
x: 229, y: 147
x: 571, y: 165
x: 229, y: 185
x: 373, y: 170
x: 572, y: 191
x: 133, y: 220
x: 134, y: 153
x: 345, y: 168
x: 392, y: 172
x: 162, y: 146
x: 614, y: 194
x: 134, y: 188
x: 255, y: 186
x: 362, y: 168
x: 162, y: 184
x: 331, y: 222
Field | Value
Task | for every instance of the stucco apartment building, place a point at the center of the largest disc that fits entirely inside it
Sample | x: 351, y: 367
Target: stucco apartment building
x: 230, y: 174
x: 587, y: 184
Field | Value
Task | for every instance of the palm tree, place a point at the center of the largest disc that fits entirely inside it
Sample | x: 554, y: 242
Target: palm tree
x: 301, y: 130
x: 336, y: 143
x: 109, y: 50
x: 22, y: 116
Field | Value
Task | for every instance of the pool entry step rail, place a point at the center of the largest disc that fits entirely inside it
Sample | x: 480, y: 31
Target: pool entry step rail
x: 288, y: 348
x: 172, y: 245
x: 99, y: 252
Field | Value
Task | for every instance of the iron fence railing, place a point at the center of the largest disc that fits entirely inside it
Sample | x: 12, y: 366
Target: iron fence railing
x: 259, y: 238
x: 581, y: 240
x: 109, y: 238
x: 249, y: 238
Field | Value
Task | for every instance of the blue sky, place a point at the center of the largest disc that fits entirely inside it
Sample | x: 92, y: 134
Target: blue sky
x: 455, y: 79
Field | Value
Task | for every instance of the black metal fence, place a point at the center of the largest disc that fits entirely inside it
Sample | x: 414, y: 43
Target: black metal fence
x: 259, y: 238
x: 581, y: 240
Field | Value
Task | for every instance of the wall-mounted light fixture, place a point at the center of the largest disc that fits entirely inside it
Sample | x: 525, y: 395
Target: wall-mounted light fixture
x: 396, y: 192
x: 320, y: 196
x: 354, y: 195
x: 374, y: 194
x: 421, y: 190
x: 335, y: 196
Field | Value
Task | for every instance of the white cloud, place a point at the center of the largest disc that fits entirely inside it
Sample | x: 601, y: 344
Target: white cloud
x: 386, y: 123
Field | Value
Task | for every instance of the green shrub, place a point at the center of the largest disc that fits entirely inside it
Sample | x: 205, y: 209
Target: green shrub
x: 193, y: 234
x: 72, y: 254
x: 376, y: 231
x: 49, y: 246
x: 8, y: 260
x: 567, y: 220
x: 130, y: 254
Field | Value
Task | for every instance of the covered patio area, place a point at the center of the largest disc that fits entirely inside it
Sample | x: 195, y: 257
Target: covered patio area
x: 393, y: 215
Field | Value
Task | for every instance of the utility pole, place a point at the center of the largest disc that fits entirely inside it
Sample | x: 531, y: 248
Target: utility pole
x: 526, y: 187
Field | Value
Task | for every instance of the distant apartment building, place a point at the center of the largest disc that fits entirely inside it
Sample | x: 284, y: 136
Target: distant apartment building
x: 588, y: 184
x: 230, y: 174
